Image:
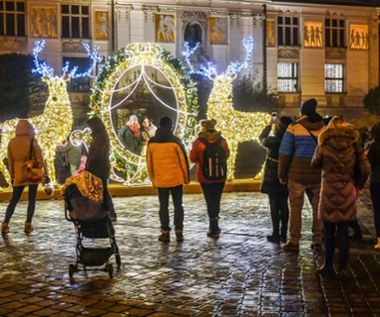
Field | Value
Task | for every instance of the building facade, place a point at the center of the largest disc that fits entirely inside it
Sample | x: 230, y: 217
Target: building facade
x: 328, y: 50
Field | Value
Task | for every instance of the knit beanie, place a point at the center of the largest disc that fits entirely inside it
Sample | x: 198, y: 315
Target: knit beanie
x: 166, y: 122
x: 309, y: 106
x: 207, y: 124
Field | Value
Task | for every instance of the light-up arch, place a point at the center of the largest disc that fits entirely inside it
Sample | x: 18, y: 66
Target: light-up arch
x: 120, y: 77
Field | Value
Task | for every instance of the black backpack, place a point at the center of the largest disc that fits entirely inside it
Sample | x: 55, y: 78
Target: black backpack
x: 214, y: 165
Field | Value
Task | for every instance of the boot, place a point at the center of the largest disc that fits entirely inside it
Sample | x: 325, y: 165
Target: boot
x: 377, y: 246
x: 164, y: 236
x: 28, y: 228
x: 4, y: 228
x: 179, y: 235
x: 214, y: 230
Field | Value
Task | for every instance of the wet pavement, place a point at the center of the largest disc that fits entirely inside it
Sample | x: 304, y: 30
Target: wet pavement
x: 241, y: 274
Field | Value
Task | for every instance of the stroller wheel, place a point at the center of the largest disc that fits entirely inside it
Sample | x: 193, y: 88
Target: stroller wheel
x: 109, y: 268
x: 72, y: 269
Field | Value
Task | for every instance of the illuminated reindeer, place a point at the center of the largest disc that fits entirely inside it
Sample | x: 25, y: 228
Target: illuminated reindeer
x: 237, y: 126
x: 55, y: 123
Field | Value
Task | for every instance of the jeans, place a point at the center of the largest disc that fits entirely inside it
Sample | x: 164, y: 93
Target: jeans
x: 16, y: 196
x: 296, y: 199
x: 163, y: 196
x: 343, y: 241
x: 279, y: 212
x: 212, y: 193
x: 374, y: 189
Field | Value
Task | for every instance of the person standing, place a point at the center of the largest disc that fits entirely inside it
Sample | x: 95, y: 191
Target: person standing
x: 277, y: 192
x: 98, y: 159
x: 374, y: 178
x: 148, y: 130
x: 130, y: 135
x: 168, y: 169
x: 296, y: 150
x: 212, y: 188
x: 337, y: 151
x: 20, y: 149
x: 73, y: 154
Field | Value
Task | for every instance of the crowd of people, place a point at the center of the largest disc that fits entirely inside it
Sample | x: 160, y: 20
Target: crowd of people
x: 328, y: 160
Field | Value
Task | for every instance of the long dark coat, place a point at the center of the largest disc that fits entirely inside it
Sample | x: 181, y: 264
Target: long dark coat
x: 270, y: 183
x: 335, y: 154
x: 98, y: 158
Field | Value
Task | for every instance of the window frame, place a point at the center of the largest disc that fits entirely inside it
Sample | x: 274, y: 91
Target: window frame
x: 75, y: 25
x: 338, y: 80
x: 13, y: 18
x: 293, y: 78
x: 288, y: 30
x: 340, y: 31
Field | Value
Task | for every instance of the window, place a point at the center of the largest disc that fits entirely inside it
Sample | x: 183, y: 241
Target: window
x: 12, y: 18
x: 82, y: 83
x: 287, y: 77
x: 287, y: 31
x: 334, y: 78
x: 75, y: 21
x: 334, y: 32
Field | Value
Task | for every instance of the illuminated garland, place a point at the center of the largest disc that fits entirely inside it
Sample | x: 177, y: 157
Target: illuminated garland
x: 138, y: 56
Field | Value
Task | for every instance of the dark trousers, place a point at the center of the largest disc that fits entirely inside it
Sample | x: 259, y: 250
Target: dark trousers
x: 213, y: 195
x: 374, y: 189
x: 163, y: 196
x: 107, y: 199
x: 279, y: 212
x: 16, y: 196
x: 343, y: 241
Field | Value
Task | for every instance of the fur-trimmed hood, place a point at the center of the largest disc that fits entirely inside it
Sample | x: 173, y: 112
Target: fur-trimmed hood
x: 210, y: 135
x: 339, y: 138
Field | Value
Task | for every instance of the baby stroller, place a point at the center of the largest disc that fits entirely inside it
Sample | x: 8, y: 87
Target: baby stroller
x: 83, y: 206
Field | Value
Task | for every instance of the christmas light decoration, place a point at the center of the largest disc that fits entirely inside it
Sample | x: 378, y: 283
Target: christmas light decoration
x: 137, y: 58
x: 54, y: 125
x: 236, y: 126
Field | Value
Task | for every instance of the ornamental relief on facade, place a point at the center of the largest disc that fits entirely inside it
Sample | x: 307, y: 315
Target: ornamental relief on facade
x: 43, y: 22
x: 335, y: 53
x: 288, y: 53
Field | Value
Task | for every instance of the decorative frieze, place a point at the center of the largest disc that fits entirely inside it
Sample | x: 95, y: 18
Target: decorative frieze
x: 288, y: 52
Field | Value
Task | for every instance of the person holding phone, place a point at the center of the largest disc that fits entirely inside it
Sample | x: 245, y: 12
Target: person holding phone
x: 277, y: 193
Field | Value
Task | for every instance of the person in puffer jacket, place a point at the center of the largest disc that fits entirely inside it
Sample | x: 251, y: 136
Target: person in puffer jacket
x: 212, y: 189
x: 296, y: 150
x: 168, y: 169
x: 337, y: 151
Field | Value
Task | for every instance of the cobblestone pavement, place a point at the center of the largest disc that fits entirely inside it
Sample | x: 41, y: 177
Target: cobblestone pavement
x: 241, y: 274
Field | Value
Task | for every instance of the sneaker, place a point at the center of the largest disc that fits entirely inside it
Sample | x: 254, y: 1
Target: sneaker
x: 164, y: 236
x: 290, y: 246
x: 179, y: 235
x: 316, y: 246
x: 4, y: 228
x: 28, y: 227
x: 273, y: 238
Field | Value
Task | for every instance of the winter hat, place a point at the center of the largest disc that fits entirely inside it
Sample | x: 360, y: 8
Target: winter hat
x: 285, y: 121
x: 166, y: 122
x: 133, y: 118
x: 207, y: 124
x: 308, y: 106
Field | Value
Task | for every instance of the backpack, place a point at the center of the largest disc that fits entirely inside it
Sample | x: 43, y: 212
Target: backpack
x: 214, y: 165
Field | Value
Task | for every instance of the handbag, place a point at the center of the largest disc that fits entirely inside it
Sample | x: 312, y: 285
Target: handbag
x: 34, y: 171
